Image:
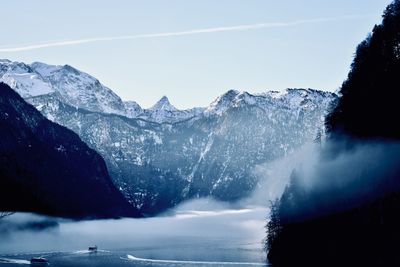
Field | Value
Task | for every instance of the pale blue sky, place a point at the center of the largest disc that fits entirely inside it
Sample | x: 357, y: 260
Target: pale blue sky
x: 310, y: 43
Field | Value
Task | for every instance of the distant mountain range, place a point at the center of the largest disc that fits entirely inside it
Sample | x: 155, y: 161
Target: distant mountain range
x: 160, y: 156
x: 80, y: 90
x: 46, y: 168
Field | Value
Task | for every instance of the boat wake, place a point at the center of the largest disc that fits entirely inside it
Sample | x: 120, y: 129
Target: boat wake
x: 86, y: 251
x: 14, y: 261
x: 133, y: 258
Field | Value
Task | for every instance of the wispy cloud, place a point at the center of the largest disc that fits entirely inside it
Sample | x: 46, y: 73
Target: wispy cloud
x: 20, y: 48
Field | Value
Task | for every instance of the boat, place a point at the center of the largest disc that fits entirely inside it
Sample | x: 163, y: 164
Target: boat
x: 39, y: 261
x: 93, y: 249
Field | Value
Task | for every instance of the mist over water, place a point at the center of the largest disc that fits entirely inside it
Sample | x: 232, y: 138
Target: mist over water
x: 335, y: 175
x: 274, y: 176
x: 201, y: 230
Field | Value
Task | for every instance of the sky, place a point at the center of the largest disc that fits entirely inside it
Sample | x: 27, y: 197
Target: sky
x: 192, y: 51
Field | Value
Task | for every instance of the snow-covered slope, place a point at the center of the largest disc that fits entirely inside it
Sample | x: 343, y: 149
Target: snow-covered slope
x: 132, y: 109
x: 23, y: 79
x: 161, y: 156
x: 294, y: 99
x: 71, y: 86
x: 163, y: 104
x: 81, y: 90
x: 222, y: 103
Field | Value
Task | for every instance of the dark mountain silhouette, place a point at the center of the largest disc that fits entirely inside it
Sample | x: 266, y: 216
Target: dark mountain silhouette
x: 351, y: 215
x: 46, y: 168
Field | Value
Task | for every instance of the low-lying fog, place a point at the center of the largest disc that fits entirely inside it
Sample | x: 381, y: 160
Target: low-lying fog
x: 199, y: 232
x: 196, y: 226
x: 202, y: 231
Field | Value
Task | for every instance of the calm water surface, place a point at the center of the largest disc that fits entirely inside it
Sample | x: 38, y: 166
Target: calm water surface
x: 195, y: 234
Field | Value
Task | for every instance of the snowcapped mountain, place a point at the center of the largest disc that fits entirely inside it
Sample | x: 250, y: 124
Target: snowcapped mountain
x: 164, y: 112
x: 160, y: 156
x: 163, y: 104
x: 222, y: 103
x: 23, y: 79
x: 81, y: 90
x: 294, y: 99
x: 71, y: 86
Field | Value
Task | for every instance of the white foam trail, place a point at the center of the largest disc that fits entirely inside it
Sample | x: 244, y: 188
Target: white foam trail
x: 133, y: 258
x: 14, y: 261
x: 102, y: 250
x: 82, y: 252
x: 89, y: 252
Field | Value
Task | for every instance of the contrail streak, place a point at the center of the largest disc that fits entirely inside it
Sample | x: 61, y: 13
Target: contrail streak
x: 181, y: 33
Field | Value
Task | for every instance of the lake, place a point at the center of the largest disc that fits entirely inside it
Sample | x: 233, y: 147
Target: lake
x: 198, y: 233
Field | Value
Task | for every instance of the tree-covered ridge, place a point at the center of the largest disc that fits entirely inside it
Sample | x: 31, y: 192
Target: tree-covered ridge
x: 350, y: 211
x: 369, y: 103
x: 46, y: 168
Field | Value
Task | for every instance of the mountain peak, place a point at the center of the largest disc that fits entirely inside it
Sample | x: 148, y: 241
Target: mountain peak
x: 219, y: 105
x: 231, y: 93
x: 73, y: 70
x: 164, y: 104
x: 44, y: 69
